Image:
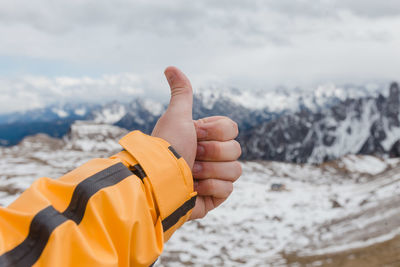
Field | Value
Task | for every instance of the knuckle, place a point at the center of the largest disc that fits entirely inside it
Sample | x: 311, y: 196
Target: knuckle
x: 200, y: 121
x: 208, y: 170
x: 211, y: 184
x: 181, y: 90
x: 217, y: 150
x: 220, y: 131
x: 203, y: 214
x: 211, y: 169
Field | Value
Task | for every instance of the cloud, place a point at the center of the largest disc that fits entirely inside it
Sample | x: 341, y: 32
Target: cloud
x: 247, y: 44
x: 178, y: 17
x: 374, y: 9
x: 30, y: 92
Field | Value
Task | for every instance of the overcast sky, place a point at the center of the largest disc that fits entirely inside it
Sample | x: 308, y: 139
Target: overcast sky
x: 95, y: 50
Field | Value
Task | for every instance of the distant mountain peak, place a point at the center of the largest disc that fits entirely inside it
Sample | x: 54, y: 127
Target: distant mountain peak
x: 364, y: 125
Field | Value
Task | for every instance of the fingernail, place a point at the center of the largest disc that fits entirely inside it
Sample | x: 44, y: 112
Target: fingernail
x: 197, y: 168
x: 200, y: 151
x: 201, y: 133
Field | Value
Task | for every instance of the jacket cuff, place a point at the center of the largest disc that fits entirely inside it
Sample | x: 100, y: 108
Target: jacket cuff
x: 169, y: 175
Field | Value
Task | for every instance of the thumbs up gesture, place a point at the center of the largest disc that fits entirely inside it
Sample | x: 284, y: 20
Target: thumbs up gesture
x: 207, y: 145
x: 176, y: 124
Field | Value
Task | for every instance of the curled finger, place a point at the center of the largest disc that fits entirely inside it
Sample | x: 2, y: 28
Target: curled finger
x: 218, y: 128
x: 218, y: 151
x: 214, y: 188
x: 229, y: 171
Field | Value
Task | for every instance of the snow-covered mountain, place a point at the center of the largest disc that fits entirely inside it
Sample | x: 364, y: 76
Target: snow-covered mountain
x: 271, y: 101
x: 295, y: 126
x: 364, y: 125
x: 56, y: 121
x: 50, y: 113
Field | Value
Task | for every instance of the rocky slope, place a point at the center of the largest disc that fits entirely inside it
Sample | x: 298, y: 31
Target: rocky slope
x: 280, y: 214
x: 367, y: 125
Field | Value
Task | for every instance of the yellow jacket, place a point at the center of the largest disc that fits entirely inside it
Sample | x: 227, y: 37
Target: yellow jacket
x: 108, y: 212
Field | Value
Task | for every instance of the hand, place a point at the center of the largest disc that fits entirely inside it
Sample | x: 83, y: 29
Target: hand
x: 216, y: 166
x: 209, y: 141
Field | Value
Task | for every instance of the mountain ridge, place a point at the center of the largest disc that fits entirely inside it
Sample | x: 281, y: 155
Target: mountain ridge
x: 302, y: 126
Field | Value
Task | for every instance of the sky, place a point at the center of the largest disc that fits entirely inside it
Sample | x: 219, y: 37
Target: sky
x: 96, y: 50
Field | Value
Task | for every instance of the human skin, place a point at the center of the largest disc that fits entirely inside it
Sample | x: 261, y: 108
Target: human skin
x: 207, y: 145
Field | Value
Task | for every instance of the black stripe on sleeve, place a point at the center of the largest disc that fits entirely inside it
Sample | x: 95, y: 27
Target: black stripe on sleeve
x: 172, y: 219
x: 176, y: 154
x: 138, y: 171
x: 91, y: 186
x: 27, y: 253
x: 48, y: 219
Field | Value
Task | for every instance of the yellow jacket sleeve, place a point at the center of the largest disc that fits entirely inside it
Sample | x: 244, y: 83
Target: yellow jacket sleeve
x: 108, y: 212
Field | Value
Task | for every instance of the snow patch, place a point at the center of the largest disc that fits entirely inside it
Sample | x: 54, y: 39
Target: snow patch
x: 111, y: 114
x: 364, y: 164
x: 80, y: 111
x: 155, y: 108
x: 60, y: 112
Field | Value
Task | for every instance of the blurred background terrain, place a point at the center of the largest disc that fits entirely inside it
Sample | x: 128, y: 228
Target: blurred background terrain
x: 311, y: 84
x: 320, y: 185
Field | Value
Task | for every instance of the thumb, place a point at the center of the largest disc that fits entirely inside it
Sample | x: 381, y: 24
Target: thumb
x: 181, y: 93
